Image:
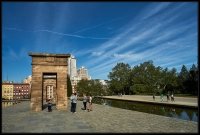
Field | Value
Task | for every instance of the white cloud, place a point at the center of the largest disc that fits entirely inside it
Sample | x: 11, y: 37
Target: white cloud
x: 97, y: 53
x: 159, y: 49
x: 154, y: 9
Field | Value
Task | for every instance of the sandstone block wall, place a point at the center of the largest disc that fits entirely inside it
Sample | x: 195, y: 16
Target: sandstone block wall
x: 49, y: 64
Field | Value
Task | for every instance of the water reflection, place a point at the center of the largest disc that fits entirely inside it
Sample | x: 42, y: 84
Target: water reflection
x: 175, y: 112
x: 6, y: 104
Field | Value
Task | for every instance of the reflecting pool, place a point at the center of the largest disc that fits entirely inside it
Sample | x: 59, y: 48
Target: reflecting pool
x: 6, y: 104
x: 164, y: 110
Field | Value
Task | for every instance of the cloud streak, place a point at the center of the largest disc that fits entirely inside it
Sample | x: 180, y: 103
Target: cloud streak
x: 59, y: 33
x: 159, y: 36
x: 155, y: 31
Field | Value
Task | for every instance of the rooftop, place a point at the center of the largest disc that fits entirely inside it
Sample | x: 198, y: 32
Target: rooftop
x: 48, y: 54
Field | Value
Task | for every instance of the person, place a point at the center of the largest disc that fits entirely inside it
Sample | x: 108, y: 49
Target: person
x: 161, y: 96
x: 172, y: 97
x: 84, y: 101
x: 154, y: 97
x: 167, y: 97
x: 73, y: 99
x: 89, y: 103
x: 49, y: 105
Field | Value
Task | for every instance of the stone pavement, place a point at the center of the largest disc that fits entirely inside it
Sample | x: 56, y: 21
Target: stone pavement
x: 103, y: 119
x: 19, y: 118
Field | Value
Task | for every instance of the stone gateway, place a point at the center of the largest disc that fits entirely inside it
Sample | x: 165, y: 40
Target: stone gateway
x: 49, y: 80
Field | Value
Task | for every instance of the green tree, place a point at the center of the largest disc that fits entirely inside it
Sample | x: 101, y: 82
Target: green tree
x: 120, y: 78
x: 69, y: 86
x: 90, y: 87
x: 145, y: 78
x: 169, y: 80
x: 182, y: 79
x: 191, y: 84
x: 83, y: 87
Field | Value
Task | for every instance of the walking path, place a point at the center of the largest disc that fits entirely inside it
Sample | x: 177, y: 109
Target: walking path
x: 103, y: 119
x: 179, y: 101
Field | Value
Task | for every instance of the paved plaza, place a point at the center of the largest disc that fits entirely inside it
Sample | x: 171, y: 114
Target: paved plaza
x: 103, y: 119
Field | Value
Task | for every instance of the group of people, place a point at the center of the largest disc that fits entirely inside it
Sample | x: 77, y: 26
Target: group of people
x: 168, y: 97
x: 87, y: 102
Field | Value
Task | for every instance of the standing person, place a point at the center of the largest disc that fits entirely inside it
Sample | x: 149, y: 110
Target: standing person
x: 90, y: 103
x: 49, y: 105
x: 167, y: 97
x: 161, y: 96
x: 84, y: 101
x: 73, y: 99
x: 172, y: 97
x: 154, y: 97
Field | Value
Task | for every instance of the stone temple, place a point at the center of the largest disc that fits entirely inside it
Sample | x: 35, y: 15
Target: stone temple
x: 49, y: 80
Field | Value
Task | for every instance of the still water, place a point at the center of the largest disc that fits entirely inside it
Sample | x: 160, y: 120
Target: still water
x: 169, y: 111
x: 6, y: 104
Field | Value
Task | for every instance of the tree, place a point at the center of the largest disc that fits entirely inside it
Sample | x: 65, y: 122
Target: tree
x: 90, y: 87
x: 69, y: 86
x: 169, y: 80
x: 120, y: 78
x: 182, y: 79
x: 83, y: 87
x: 191, y: 83
x: 145, y: 78
x: 184, y: 74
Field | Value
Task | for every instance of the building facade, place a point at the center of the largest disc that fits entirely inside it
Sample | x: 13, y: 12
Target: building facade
x: 21, y: 91
x: 7, y: 91
x: 83, y: 73
x: 72, y: 71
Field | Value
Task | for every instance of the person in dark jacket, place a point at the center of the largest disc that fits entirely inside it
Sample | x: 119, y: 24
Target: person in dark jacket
x: 84, y: 101
x: 49, y: 105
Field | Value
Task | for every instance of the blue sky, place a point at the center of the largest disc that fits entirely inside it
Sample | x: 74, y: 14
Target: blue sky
x: 99, y: 34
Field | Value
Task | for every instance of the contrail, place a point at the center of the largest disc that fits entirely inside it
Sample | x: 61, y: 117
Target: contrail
x: 88, y: 28
x: 59, y: 33
x: 71, y: 35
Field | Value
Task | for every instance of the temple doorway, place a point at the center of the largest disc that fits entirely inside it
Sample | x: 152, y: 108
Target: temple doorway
x: 49, y: 91
x: 49, y: 80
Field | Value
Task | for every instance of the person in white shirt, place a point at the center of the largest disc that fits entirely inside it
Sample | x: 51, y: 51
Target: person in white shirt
x: 90, y: 103
x: 73, y: 99
x: 84, y: 101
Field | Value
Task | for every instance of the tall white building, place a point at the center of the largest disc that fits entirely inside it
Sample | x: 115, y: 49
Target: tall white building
x: 72, y: 71
x: 76, y: 75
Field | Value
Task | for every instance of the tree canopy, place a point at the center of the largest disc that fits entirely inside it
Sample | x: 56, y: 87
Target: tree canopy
x: 146, y: 78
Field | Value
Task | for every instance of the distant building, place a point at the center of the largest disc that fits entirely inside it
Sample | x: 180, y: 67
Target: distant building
x: 72, y: 72
x: 72, y: 66
x: 74, y: 82
x: 76, y: 75
x: 103, y: 82
x: 21, y: 91
x: 7, y: 91
x: 83, y: 73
